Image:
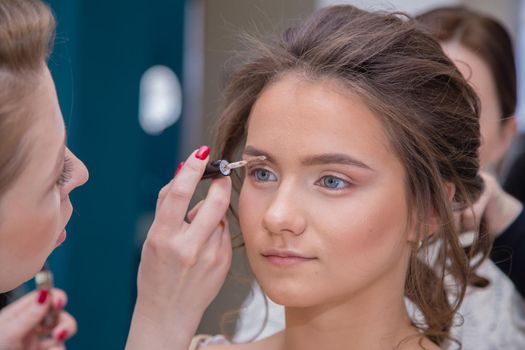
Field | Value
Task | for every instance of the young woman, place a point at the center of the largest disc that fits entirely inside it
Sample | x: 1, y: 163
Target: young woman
x: 37, y: 173
x: 371, y: 140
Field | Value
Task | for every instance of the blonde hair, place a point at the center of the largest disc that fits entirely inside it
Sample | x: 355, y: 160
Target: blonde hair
x: 26, y: 34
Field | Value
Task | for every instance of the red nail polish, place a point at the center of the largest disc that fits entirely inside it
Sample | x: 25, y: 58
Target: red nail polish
x: 62, y: 335
x: 179, y: 167
x: 42, y: 296
x: 202, y: 153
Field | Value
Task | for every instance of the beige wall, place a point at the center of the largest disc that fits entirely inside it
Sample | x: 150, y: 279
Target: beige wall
x: 224, y: 21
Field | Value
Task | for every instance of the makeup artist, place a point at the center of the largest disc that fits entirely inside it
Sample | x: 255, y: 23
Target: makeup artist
x: 37, y: 173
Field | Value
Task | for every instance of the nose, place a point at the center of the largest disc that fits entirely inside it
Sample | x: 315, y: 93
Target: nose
x: 80, y: 173
x: 284, y: 214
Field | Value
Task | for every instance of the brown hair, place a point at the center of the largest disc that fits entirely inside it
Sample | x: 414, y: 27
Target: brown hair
x: 26, y: 33
x: 429, y: 112
x: 484, y: 36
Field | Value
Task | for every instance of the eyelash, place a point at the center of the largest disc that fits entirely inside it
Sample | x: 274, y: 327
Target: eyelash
x: 66, y: 172
x: 253, y: 173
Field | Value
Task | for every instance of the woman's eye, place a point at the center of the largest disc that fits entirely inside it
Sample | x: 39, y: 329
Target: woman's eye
x: 65, y: 176
x: 333, y: 182
x: 263, y: 175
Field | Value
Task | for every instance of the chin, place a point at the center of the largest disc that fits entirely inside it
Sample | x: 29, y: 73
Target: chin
x: 289, y: 295
x: 14, y: 282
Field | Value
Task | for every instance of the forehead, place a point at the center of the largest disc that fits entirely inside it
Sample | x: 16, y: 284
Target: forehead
x: 46, y: 134
x: 473, y: 68
x: 48, y: 127
x: 316, y: 116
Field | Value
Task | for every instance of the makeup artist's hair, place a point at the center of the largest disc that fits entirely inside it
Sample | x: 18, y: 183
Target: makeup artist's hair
x: 485, y: 37
x: 26, y: 34
x: 430, y: 116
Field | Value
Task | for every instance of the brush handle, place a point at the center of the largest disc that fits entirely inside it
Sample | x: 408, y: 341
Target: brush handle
x: 216, y: 168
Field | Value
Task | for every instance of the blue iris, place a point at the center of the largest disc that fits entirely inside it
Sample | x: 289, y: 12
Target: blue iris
x: 333, y: 182
x: 263, y: 175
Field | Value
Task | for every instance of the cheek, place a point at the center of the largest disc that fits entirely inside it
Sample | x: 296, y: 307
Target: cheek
x: 28, y: 237
x: 44, y: 225
x: 249, y: 212
x: 367, y: 234
x: 489, y: 128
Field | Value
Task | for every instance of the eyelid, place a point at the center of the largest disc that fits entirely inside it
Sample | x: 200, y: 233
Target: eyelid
x: 255, y: 164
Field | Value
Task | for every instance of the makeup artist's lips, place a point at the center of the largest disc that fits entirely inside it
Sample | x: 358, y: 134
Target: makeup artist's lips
x: 285, y: 258
x: 61, y: 238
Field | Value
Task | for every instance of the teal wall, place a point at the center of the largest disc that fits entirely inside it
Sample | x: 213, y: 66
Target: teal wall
x: 102, y: 49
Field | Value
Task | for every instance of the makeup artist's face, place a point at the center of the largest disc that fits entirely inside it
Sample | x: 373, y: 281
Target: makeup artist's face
x: 325, y: 216
x: 496, y: 136
x: 36, y: 209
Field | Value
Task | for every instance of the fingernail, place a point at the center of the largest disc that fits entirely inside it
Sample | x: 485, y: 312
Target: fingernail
x: 42, y: 296
x: 178, y: 168
x: 202, y: 153
x: 62, y: 335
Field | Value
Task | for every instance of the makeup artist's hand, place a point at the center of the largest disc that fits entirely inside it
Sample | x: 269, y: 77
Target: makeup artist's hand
x: 184, y: 264
x: 499, y: 208
x: 19, y: 322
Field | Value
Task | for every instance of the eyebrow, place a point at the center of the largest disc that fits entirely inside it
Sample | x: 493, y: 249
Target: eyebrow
x: 318, y: 159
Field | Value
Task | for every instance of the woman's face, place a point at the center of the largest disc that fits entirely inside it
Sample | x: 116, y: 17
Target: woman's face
x: 324, y: 217
x: 36, y: 209
x: 496, y: 136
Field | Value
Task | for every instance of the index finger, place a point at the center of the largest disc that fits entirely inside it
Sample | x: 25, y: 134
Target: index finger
x: 171, y: 210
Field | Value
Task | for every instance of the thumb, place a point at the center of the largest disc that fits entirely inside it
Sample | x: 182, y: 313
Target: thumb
x: 26, y: 313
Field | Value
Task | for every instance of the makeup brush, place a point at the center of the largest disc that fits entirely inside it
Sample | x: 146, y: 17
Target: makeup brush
x: 222, y: 167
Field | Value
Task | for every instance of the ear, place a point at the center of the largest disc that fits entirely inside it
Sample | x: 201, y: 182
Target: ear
x: 434, y: 223
x: 508, y: 130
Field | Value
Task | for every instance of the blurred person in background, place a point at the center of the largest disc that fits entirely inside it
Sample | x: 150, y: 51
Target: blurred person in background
x: 482, y: 50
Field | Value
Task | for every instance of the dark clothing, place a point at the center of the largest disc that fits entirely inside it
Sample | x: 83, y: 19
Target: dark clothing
x: 508, y: 252
x: 515, y: 181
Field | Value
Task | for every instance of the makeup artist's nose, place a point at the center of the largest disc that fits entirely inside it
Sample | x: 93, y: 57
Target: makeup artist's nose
x: 79, y: 175
x: 284, y: 213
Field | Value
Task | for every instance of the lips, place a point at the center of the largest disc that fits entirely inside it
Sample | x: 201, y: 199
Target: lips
x: 286, y: 257
x: 285, y: 254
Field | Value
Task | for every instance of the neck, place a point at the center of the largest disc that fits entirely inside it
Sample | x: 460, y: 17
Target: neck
x: 363, y: 328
